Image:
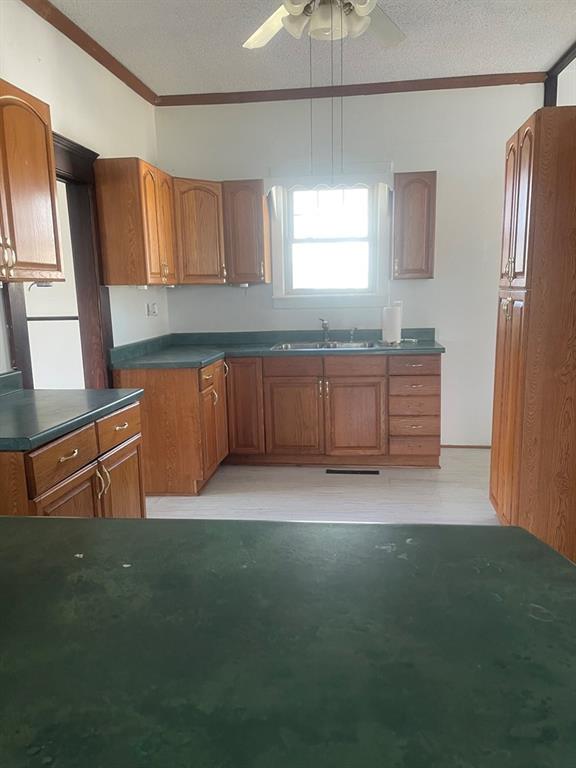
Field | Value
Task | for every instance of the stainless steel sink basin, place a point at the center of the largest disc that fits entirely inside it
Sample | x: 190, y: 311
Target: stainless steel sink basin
x: 304, y: 346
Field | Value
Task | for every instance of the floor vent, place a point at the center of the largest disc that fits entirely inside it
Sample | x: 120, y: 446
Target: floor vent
x: 352, y: 471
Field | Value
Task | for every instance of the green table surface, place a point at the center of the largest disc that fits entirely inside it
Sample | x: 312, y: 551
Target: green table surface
x: 208, y: 644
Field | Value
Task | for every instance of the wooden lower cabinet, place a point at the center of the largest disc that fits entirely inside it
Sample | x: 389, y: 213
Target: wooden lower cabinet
x: 77, y: 496
x: 184, y: 425
x: 294, y: 411
x: 245, y: 405
x: 507, y: 404
x: 355, y: 411
x: 123, y: 492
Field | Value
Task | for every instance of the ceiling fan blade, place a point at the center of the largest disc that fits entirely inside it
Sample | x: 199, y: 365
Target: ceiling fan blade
x: 266, y: 32
x: 384, y: 28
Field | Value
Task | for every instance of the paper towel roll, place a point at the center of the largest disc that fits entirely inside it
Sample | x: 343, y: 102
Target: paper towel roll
x: 392, y: 323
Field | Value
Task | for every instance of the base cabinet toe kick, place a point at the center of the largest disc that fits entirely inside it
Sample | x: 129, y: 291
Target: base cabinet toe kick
x: 94, y: 471
x: 353, y: 410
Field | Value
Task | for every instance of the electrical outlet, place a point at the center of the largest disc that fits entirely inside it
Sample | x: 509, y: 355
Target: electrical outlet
x: 151, y: 309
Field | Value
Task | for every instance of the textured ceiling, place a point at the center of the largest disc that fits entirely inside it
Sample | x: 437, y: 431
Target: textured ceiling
x: 195, y: 46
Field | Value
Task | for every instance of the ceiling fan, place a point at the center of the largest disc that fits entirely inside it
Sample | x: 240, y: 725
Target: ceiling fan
x: 327, y: 20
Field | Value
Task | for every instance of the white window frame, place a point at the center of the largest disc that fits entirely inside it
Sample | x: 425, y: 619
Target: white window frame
x: 379, y: 237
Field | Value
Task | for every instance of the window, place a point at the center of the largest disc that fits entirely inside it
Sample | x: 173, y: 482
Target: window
x: 330, y: 245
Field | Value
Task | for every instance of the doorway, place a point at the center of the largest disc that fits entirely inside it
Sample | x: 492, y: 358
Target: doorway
x: 60, y: 332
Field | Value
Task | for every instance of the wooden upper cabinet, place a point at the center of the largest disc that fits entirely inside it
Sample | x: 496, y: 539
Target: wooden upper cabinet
x: 29, y: 246
x: 245, y: 405
x: 200, y: 231
x: 246, y: 232
x: 414, y: 224
x: 356, y: 416
x: 509, y: 222
x: 166, y: 228
x: 135, y: 214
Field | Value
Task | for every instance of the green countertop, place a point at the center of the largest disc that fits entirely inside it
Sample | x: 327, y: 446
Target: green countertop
x: 172, y: 644
x: 198, y: 350
x: 30, y: 418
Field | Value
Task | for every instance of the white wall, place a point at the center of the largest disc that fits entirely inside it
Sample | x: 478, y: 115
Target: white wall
x: 88, y: 105
x: 459, y: 133
x: 567, y: 86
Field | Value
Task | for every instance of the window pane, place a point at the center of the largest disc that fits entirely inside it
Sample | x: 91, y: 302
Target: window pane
x: 330, y: 266
x: 330, y: 213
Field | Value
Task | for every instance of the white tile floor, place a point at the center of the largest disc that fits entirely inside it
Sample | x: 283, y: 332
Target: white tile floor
x: 455, y: 494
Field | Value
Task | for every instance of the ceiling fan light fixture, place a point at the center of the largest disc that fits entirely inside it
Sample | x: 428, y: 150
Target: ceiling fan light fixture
x: 295, y: 25
x: 363, y: 7
x: 356, y: 24
x: 327, y: 23
x: 295, y: 7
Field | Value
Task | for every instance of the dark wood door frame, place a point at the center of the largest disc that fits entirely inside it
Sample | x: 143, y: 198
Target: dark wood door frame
x: 551, y: 82
x: 74, y: 166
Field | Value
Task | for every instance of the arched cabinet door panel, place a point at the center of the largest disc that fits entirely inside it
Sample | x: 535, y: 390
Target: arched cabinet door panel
x: 414, y: 225
x: 29, y: 246
x: 246, y: 232
x: 509, y: 217
x: 200, y: 233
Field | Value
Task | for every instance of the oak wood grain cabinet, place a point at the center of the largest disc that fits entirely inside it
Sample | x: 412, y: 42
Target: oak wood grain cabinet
x: 29, y: 245
x: 533, y: 464
x: 200, y: 232
x: 245, y: 405
x: 94, y: 471
x: 246, y: 232
x: 294, y: 415
x: 355, y: 416
x: 414, y: 225
x: 136, y: 221
x: 183, y: 426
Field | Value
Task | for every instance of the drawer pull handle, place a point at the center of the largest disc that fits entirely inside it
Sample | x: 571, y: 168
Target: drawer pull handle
x: 120, y: 427
x: 416, y: 386
x: 72, y: 455
x: 108, y: 478
x: 207, y: 376
x: 416, y: 426
x: 103, y: 484
x: 415, y: 365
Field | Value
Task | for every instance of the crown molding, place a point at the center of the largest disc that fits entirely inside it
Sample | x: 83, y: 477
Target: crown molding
x: 73, y: 32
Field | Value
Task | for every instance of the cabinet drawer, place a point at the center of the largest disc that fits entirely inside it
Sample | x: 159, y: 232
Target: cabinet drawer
x: 293, y: 366
x: 414, y: 426
x: 414, y: 406
x: 414, y: 446
x: 414, y: 385
x: 414, y: 365
x: 54, y: 462
x: 208, y: 375
x: 118, y: 427
x: 355, y: 365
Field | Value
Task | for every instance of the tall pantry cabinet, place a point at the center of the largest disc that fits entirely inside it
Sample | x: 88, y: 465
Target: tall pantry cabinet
x: 533, y: 469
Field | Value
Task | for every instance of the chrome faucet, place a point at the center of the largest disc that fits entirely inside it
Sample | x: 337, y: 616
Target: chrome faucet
x: 325, y: 330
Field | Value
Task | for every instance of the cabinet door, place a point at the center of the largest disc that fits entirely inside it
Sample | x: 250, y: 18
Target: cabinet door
x: 150, y: 217
x: 77, y: 496
x: 246, y: 405
x: 509, y: 222
x: 507, y: 412
x: 414, y: 224
x: 355, y: 416
x: 246, y: 232
x: 29, y: 247
x: 526, y: 154
x: 166, y: 230
x: 200, y: 233
x: 221, y: 413
x: 208, y: 403
x: 123, y: 494
x: 294, y: 415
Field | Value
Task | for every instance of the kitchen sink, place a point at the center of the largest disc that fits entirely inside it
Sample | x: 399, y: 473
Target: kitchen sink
x: 304, y: 346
